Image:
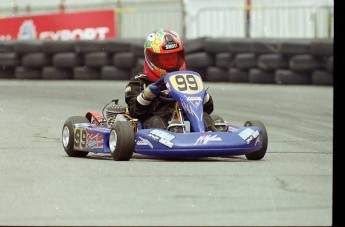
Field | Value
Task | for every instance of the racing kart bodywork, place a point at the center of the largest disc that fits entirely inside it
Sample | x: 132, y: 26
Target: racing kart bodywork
x: 120, y: 135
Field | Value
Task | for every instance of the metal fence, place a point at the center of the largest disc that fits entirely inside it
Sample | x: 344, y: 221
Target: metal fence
x: 217, y: 18
x: 292, y: 21
x: 137, y: 19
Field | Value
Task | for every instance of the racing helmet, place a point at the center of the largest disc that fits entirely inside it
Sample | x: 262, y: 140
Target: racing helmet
x: 164, y: 53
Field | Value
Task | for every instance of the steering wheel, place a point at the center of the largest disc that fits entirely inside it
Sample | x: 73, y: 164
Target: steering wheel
x: 166, y: 99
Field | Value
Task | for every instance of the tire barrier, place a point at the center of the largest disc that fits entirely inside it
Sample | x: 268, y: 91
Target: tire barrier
x: 233, y: 60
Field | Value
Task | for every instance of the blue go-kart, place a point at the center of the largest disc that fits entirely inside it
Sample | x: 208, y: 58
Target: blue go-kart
x: 117, y: 133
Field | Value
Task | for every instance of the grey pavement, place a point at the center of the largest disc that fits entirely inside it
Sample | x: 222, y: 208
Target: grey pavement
x: 41, y: 185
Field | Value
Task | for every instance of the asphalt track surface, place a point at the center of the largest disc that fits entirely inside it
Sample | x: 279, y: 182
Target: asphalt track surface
x: 41, y: 185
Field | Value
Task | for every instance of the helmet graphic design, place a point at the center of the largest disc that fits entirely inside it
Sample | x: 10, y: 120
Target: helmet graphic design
x: 164, y: 53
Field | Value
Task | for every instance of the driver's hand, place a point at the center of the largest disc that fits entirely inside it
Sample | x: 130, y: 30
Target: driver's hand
x: 151, y: 92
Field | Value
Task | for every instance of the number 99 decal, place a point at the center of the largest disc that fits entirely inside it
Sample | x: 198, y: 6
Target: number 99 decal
x: 186, y: 83
x: 80, y: 138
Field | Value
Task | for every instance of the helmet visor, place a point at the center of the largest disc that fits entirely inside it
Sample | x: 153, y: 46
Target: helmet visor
x: 169, y: 62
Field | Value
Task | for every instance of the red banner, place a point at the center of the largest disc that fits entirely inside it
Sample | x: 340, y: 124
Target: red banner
x: 86, y: 25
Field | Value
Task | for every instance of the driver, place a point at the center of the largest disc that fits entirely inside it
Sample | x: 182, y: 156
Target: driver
x: 164, y: 53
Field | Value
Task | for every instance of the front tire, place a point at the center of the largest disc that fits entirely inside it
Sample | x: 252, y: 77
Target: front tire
x: 257, y: 155
x: 68, y: 136
x: 121, y: 141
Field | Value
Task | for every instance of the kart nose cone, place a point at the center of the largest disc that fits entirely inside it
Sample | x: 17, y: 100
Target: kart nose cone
x: 112, y: 140
x: 65, y: 136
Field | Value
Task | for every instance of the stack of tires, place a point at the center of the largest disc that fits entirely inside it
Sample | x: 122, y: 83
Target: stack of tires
x: 262, y: 61
x: 67, y: 60
x: 235, y: 60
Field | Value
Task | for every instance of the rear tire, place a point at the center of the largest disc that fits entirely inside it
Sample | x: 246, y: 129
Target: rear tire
x: 68, y: 136
x: 121, y: 141
x: 257, y: 155
x: 217, y: 119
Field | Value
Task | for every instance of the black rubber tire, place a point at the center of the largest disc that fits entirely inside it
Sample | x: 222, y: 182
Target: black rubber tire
x: 124, y: 60
x: 246, y: 61
x: 69, y: 149
x: 202, y: 72
x: 36, y: 60
x: 322, y: 47
x: 329, y: 64
x: 194, y: 45
x: 271, y: 62
x: 265, y: 46
x: 7, y: 46
x: 295, y: 46
x: 238, y: 76
x: 6, y: 73
x: 9, y: 60
x: 215, y: 74
x: 97, y: 59
x: 125, y: 142
x: 52, y: 73
x: 305, y: 63
x: 284, y: 76
x: 25, y: 73
x: 217, y: 119
x: 117, y: 45
x: 67, y: 60
x: 224, y: 60
x: 113, y: 73
x: 140, y: 63
x: 322, y: 77
x: 28, y: 46
x: 199, y: 60
x: 85, y: 73
x: 257, y: 155
x: 137, y: 47
x: 240, y: 45
x: 87, y: 46
x: 57, y: 46
x: 259, y: 76
x: 136, y: 70
x: 216, y: 45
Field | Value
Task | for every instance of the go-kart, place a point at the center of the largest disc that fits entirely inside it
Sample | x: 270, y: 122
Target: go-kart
x: 117, y: 133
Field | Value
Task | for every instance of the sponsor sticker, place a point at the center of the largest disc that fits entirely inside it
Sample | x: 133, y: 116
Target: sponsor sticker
x: 162, y: 137
x: 248, y: 134
x: 144, y: 142
x: 204, y: 139
x: 194, y: 100
x: 94, y: 140
x: 170, y: 46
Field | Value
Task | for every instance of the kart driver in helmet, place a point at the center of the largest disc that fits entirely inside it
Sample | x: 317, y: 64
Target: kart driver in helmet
x: 164, y: 53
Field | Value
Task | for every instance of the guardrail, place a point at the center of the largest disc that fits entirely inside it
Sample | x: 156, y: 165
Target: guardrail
x: 259, y: 61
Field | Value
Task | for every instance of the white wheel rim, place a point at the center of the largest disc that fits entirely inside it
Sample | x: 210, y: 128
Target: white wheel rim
x: 112, y: 140
x: 65, y: 136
